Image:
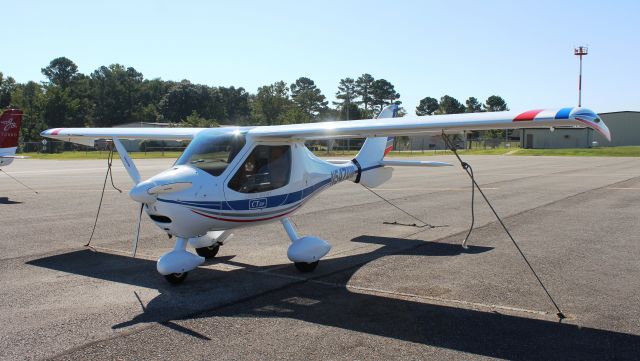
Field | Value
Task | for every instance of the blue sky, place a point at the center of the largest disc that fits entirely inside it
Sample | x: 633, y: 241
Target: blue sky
x: 521, y: 50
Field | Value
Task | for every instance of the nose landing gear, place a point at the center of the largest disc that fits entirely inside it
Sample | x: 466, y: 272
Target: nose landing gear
x: 176, y: 264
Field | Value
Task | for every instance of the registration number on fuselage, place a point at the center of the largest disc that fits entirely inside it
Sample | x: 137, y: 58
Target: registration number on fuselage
x: 342, y: 174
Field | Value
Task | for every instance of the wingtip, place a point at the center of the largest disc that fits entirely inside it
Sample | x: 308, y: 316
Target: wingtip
x: 591, y: 119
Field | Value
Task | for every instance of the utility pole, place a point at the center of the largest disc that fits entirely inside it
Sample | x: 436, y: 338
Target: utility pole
x: 580, y: 51
x: 348, y: 102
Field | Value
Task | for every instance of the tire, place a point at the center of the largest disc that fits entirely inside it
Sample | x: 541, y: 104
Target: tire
x: 305, y: 267
x: 208, y: 252
x: 176, y: 278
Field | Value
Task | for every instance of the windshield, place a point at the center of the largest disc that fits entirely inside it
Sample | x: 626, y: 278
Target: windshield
x: 212, y: 153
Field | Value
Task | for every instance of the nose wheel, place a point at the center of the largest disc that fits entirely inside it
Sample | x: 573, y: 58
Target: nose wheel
x: 176, y: 278
x: 306, y: 267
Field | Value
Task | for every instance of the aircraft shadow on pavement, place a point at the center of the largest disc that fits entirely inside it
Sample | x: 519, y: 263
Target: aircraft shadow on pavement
x: 6, y: 200
x: 478, y: 332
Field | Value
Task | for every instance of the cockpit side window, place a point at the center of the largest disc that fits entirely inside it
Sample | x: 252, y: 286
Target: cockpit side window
x: 266, y: 168
x: 212, y: 154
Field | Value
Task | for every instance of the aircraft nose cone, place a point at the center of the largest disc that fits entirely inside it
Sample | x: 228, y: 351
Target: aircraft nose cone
x: 139, y: 193
x: 173, y: 180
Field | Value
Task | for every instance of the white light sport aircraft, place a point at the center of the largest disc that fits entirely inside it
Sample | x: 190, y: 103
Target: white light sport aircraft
x: 10, y: 121
x: 238, y: 176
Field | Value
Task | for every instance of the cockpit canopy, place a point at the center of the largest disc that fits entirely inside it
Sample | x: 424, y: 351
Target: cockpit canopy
x: 211, y: 151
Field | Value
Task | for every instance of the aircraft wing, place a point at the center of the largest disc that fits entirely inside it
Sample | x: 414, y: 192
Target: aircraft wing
x: 408, y: 125
x: 87, y: 136
x: 449, y: 123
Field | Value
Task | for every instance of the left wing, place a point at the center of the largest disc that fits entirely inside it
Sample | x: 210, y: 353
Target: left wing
x: 87, y: 136
x: 449, y: 123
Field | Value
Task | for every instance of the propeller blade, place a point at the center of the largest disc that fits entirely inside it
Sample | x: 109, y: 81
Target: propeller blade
x: 135, y: 242
x: 169, y: 188
x: 127, y: 161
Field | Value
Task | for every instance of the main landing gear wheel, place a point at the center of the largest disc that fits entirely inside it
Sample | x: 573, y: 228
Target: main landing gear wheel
x: 306, y: 267
x: 176, y: 278
x: 208, y: 252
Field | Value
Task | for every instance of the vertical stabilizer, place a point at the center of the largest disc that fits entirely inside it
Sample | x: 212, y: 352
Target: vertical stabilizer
x: 371, y: 172
x: 375, y: 148
x: 10, y: 121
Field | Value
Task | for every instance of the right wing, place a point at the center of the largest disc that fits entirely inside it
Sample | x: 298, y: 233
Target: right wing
x: 447, y: 123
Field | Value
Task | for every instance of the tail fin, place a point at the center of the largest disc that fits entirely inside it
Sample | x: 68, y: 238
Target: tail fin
x: 371, y: 172
x: 10, y: 122
x: 375, y: 148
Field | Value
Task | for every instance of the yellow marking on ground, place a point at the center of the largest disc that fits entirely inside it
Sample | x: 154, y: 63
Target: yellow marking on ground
x: 623, y: 188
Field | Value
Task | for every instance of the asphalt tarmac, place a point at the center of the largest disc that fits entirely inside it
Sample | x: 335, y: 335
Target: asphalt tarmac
x: 384, y: 291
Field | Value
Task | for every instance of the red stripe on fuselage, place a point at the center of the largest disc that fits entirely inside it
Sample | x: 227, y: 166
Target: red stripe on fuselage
x: 388, y: 149
x: 530, y: 115
x: 56, y: 131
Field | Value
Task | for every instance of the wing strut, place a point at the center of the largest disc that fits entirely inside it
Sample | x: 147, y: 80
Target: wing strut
x: 127, y: 161
x: 467, y: 167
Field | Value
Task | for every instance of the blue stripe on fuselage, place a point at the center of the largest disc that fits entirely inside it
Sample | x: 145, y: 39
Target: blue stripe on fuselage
x: 243, y: 205
x: 272, y: 201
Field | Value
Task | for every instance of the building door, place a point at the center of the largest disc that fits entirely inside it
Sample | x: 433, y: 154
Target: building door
x: 528, y: 144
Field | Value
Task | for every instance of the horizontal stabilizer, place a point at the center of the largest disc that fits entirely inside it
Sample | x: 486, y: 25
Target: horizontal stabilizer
x: 414, y: 163
x: 375, y: 177
x: 338, y: 161
x: 14, y: 156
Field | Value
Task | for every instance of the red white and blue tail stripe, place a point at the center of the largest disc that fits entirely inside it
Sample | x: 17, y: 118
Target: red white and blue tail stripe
x: 389, y: 146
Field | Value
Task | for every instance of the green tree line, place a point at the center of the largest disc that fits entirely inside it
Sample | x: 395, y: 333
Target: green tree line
x: 116, y: 94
